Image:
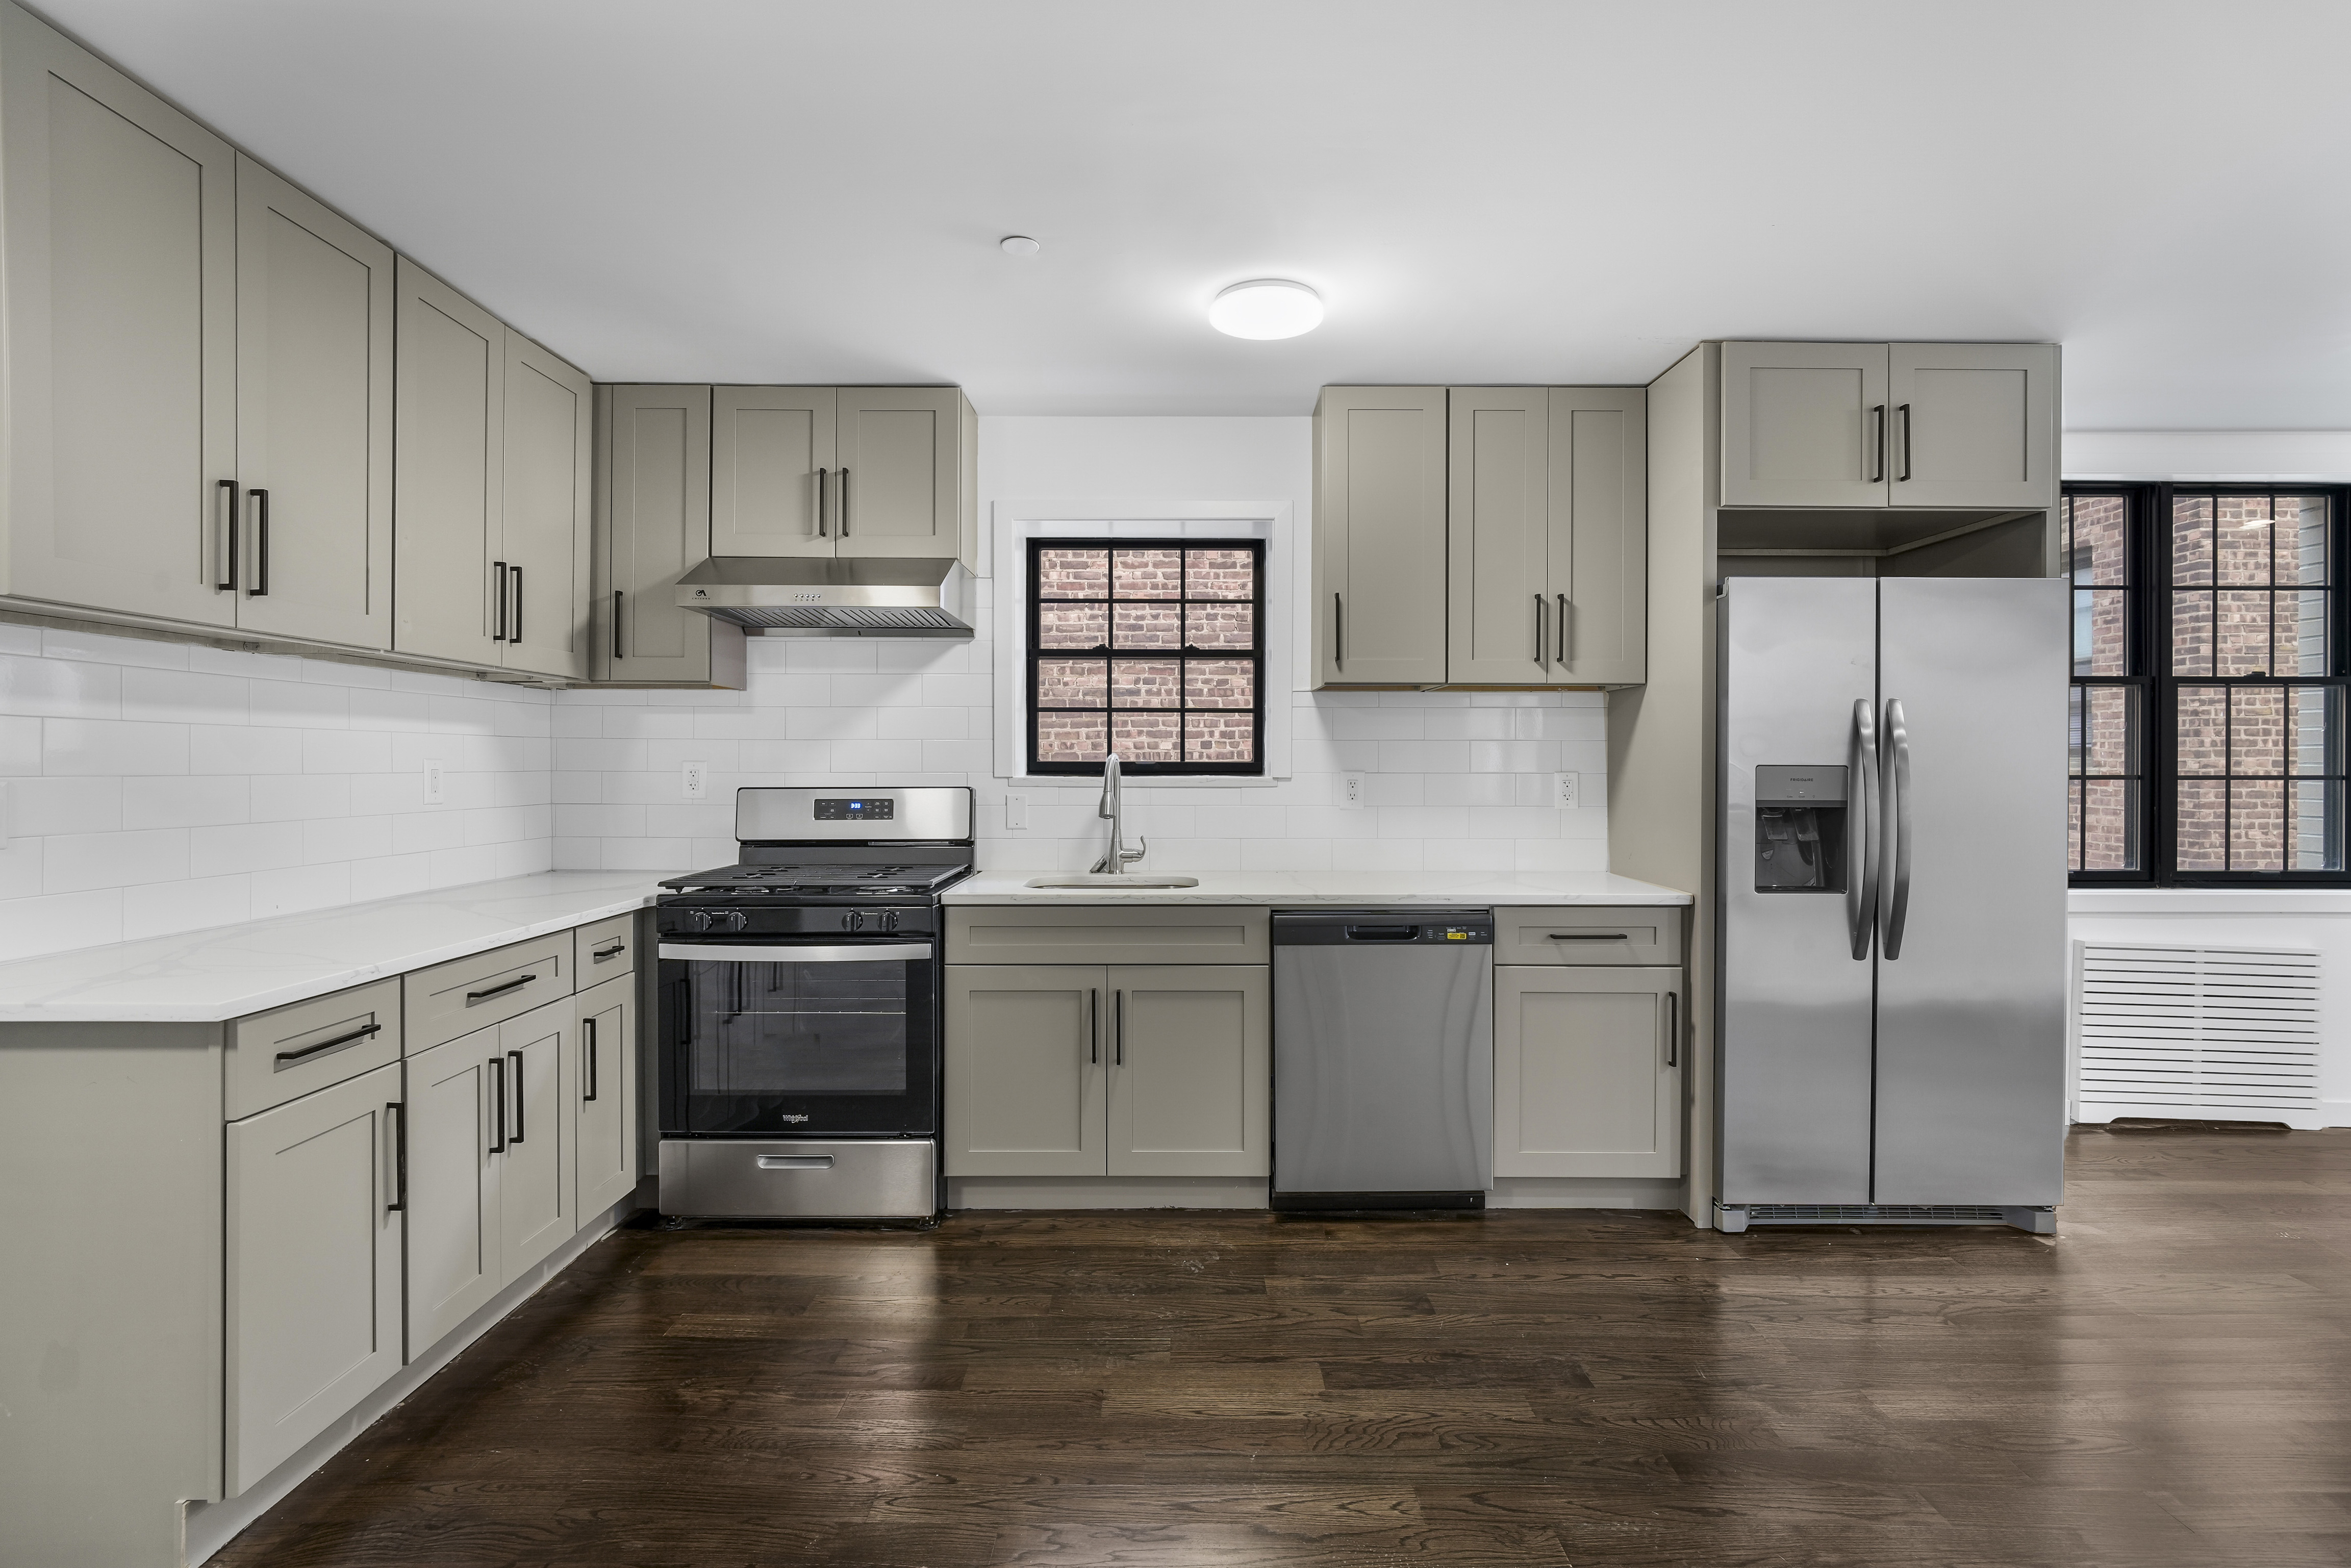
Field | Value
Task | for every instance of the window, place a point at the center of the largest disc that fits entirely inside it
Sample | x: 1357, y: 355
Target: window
x: 2209, y: 684
x: 1151, y: 647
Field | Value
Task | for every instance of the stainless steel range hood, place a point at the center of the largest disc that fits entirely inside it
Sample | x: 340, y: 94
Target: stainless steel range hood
x: 774, y: 596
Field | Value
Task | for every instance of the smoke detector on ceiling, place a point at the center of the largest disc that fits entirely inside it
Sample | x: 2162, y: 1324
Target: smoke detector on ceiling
x: 1019, y: 245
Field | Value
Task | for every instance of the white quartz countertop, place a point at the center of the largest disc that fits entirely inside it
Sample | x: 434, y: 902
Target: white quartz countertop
x: 1335, y: 888
x: 204, y: 977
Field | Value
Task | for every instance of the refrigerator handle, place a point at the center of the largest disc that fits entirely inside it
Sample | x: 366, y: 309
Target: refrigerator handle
x: 1896, y: 903
x: 1860, y: 832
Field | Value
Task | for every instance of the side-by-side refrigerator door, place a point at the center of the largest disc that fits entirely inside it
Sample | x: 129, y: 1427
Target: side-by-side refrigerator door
x: 1971, y: 966
x: 1799, y: 660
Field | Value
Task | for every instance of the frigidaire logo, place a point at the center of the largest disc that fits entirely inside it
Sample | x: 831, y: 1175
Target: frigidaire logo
x: 796, y: 1118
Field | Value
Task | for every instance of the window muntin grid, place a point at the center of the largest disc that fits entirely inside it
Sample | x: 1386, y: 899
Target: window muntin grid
x: 2107, y: 794
x: 1152, y: 646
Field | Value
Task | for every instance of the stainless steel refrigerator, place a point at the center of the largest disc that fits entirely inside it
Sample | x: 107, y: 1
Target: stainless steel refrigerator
x: 1891, y: 898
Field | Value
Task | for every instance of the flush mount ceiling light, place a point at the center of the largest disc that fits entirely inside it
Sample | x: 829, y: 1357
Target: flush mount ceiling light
x: 1266, y: 308
x: 1019, y: 245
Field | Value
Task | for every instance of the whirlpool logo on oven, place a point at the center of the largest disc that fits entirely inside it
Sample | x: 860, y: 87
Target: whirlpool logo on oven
x: 795, y: 1118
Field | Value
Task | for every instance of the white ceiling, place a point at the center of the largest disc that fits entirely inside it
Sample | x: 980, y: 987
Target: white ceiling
x: 1483, y: 190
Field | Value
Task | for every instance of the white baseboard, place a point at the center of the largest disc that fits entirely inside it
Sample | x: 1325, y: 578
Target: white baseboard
x: 1663, y: 1193
x: 210, y: 1526
x: 1112, y: 1192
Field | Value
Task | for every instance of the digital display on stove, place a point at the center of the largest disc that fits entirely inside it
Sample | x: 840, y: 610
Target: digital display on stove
x: 856, y: 809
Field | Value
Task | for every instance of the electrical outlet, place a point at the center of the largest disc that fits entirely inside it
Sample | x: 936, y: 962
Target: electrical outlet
x: 1351, y: 792
x: 432, y: 791
x: 1016, y: 814
x: 695, y: 780
x: 1566, y: 788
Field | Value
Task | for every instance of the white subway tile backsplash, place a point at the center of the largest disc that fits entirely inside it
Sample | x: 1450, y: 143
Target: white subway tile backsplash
x: 83, y: 746
x: 76, y: 863
x: 185, y: 802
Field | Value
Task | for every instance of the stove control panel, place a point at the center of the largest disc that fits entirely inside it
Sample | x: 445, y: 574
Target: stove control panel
x: 884, y: 920
x: 698, y: 914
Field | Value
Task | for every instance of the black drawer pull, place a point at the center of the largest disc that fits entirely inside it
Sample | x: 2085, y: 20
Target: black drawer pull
x: 516, y: 1057
x: 399, y: 1202
x: 473, y: 997
x: 601, y: 953
x: 1591, y: 937
x: 287, y: 1059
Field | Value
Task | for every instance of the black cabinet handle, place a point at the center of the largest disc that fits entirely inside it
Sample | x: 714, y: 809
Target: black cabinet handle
x: 587, y: 1029
x: 516, y: 1057
x: 473, y: 997
x: 224, y: 565
x: 843, y: 513
x: 286, y: 1058
x: 498, y: 594
x: 1673, y: 1029
x: 514, y: 574
x: 1559, y: 654
x: 1338, y: 632
x: 398, y: 1158
x: 1590, y: 937
x: 601, y: 953
x: 497, y: 1064
x: 260, y: 499
x: 1093, y: 1029
x: 1539, y: 629
x: 1118, y: 1027
x: 1904, y: 478
x: 1877, y: 475
x: 820, y: 532
x: 616, y: 625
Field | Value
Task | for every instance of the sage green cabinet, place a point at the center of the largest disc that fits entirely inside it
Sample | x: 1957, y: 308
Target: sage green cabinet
x: 1497, y: 535
x: 314, y: 383
x: 1120, y: 1070
x: 1588, y: 1065
x: 121, y: 337
x: 457, y: 1118
x: 544, y: 525
x: 602, y: 1087
x: 450, y: 498
x: 313, y: 1267
x: 1379, y: 536
x: 1956, y: 425
x: 843, y: 472
x: 537, y: 1191
x: 652, y: 511
x: 773, y: 491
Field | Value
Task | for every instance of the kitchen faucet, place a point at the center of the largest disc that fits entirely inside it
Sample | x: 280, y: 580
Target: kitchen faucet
x: 1118, y: 857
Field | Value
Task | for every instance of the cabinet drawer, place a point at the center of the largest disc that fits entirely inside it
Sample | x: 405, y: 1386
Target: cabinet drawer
x: 289, y: 1051
x: 1108, y: 934
x: 605, y: 949
x: 1589, y: 934
x: 466, y: 994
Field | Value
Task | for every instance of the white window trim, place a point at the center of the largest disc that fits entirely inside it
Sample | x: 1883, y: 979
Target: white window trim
x: 1014, y: 523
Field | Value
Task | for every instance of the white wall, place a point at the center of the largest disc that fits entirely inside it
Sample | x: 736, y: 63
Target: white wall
x: 159, y: 787
x: 1456, y: 780
x: 2319, y: 921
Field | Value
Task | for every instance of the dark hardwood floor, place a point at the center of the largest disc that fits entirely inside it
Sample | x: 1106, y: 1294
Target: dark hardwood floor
x: 2167, y: 1382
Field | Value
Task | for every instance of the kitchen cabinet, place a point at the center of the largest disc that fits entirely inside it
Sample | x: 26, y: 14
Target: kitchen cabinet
x: 1497, y: 535
x: 1597, y: 567
x: 121, y: 337
x: 1587, y: 1070
x: 1379, y: 536
x: 652, y: 508
x: 843, y: 472
x: 310, y: 551
x: 601, y: 1089
x: 1119, y: 1069
x: 546, y: 520
x: 1889, y: 425
x: 313, y: 1266
x: 457, y: 1115
x: 538, y: 1192
x: 451, y: 361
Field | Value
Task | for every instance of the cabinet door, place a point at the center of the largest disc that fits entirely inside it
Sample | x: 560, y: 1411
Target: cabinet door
x: 1974, y: 424
x: 768, y: 446
x: 657, y: 508
x: 313, y: 1274
x: 1587, y: 1071
x: 899, y: 482
x: 313, y: 417
x: 1191, y: 1077
x: 1498, y: 532
x: 454, y: 1161
x: 1024, y: 1070
x: 1599, y: 555
x: 448, y: 402
x: 602, y: 1087
x: 538, y: 1184
x: 1804, y: 424
x: 121, y: 329
x: 1379, y: 536
x: 549, y: 435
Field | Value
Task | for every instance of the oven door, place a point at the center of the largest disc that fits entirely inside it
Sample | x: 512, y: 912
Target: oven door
x: 814, y: 1038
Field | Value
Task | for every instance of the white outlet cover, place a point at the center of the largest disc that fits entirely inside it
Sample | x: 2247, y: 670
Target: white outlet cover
x: 1016, y: 814
x: 1567, y: 790
x: 435, y: 794
x: 695, y: 780
x: 1351, y: 792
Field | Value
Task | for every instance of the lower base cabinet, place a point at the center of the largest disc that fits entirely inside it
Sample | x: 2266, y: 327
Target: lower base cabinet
x: 602, y: 1089
x: 1119, y: 1069
x: 313, y: 1276
x: 538, y: 1209
x: 1587, y: 1070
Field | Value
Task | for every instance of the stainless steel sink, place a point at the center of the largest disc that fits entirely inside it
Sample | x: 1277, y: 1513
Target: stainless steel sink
x: 1105, y: 879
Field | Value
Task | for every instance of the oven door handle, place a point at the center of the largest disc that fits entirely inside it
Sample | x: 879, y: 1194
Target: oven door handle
x: 743, y: 953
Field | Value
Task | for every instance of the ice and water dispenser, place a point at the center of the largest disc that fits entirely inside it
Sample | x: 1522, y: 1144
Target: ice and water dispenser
x: 1799, y: 829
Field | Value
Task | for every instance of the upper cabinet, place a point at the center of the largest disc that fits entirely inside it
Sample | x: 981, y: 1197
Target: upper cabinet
x: 120, y: 334
x: 1480, y: 536
x: 546, y: 524
x: 843, y: 472
x: 653, y: 445
x: 1903, y: 424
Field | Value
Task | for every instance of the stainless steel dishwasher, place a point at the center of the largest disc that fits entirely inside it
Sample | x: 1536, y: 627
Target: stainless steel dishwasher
x: 1383, y: 1057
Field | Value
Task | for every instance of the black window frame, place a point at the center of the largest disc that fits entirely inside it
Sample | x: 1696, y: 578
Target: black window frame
x: 2148, y: 596
x: 1185, y: 653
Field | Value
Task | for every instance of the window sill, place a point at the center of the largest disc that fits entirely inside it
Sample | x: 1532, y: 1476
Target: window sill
x: 2209, y: 901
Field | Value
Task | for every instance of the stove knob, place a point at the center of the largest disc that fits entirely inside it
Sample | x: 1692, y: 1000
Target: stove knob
x: 736, y: 920
x: 701, y: 919
x: 889, y: 920
x: 853, y: 921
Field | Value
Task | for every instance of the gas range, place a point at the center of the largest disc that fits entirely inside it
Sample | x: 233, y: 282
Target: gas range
x: 821, y: 861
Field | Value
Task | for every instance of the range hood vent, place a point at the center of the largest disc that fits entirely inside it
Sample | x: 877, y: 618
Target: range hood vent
x: 771, y: 596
